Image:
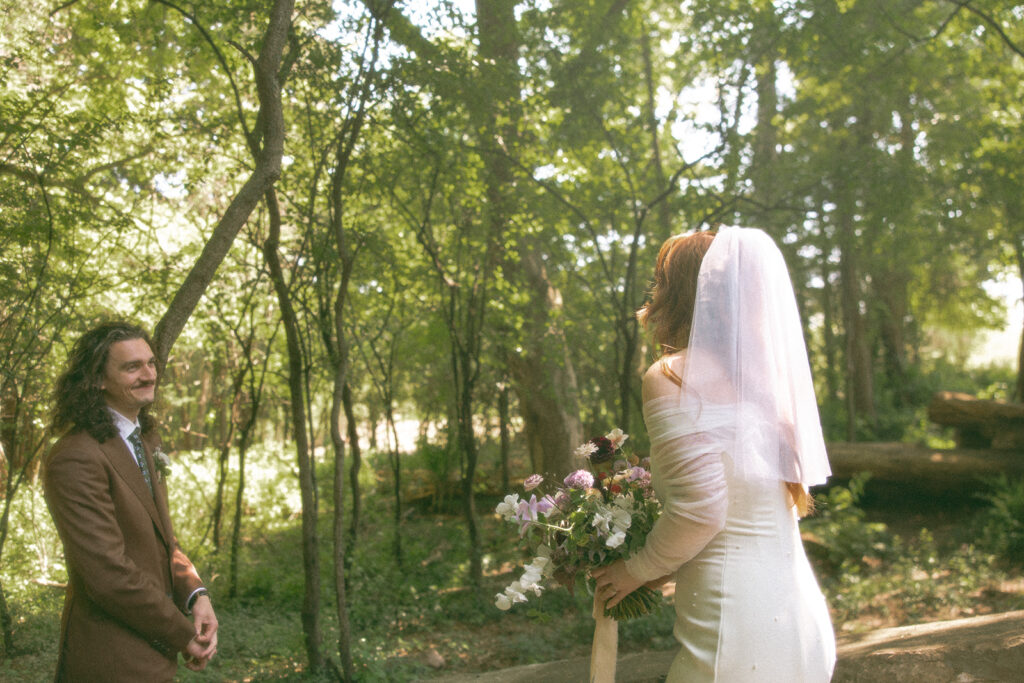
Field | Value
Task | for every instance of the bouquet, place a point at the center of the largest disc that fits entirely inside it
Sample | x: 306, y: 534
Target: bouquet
x: 595, y: 517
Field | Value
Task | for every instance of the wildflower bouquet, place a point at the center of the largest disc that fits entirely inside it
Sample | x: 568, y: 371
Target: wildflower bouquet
x: 597, y: 516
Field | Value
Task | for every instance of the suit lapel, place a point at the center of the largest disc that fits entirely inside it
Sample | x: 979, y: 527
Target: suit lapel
x: 159, y: 489
x: 124, y: 462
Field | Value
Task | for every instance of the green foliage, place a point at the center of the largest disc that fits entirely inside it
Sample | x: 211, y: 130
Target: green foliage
x: 872, y: 576
x: 398, y: 613
x: 842, y: 529
x: 1002, y: 523
x: 439, y: 460
x: 903, y: 409
x: 123, y: 139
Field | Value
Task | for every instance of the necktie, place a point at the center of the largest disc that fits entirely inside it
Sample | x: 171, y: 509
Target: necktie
x: 140, y: 456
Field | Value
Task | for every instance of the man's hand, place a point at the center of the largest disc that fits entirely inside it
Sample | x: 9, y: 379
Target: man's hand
x: 194, y: 658
x: 201, y: 649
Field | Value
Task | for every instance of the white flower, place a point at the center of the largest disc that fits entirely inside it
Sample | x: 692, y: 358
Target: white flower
x: 621, y: 515
x: 507, y: 508
x: 502, y: 602
x: 617, y: 437
x: 586, y: 450
x: 602, y: 519
x: 543, y: 560
x: 515, y: 592
x: 616, y: 539
x: 532, y: 575
x: 530, y: 582
x: 162, y: 462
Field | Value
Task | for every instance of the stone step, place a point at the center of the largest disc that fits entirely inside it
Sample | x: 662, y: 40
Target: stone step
x: 975, y: 649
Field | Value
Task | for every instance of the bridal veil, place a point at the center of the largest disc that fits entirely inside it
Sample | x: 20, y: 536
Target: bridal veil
x: 746, y: 352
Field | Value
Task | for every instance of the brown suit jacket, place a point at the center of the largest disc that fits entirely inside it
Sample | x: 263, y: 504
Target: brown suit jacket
x: 127, y: 578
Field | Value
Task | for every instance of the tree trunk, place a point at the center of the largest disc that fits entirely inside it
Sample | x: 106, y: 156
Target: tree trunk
x: 503, y: 420
x: 860, y: 404
x: 396, y: 473
x: 545, y: 374
x: 890, y: 290
x: 545, y: 378
x: 357, y: 461
x: 338, y: 349
x: 10, y: 407
x: 979, y: 423
x: 829, y: 331
x: 296, y: 386
x: 236, y: 529
x: 1019, y: 389
x: 225, y: 453
x: 244, y: 439
x: 467, y: 443
x: 265, y: 173
x: 664, y: 214
x: 628, y: 332
x: 6, y: 623
x: 338, y: 440
x: 907, y: 468
x: 763, y: 169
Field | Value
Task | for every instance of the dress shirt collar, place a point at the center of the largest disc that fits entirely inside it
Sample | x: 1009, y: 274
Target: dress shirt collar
x: 124, y: 426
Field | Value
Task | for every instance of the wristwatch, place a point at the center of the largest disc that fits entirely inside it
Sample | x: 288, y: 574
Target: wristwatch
x: 195, y: 596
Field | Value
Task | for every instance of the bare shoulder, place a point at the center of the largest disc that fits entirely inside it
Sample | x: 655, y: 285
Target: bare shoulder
x: 664, y: 376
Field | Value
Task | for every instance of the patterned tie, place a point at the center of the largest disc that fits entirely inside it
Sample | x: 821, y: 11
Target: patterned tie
x: 140, y: 456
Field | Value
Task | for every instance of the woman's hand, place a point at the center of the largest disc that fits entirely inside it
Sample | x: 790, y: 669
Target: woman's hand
x: 613, y: 583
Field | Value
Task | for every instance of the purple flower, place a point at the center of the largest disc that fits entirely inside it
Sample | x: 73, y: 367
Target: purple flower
x: 532, y: 482
x: 530, y: 511
x: 638, y: 474
x: 580, y: 479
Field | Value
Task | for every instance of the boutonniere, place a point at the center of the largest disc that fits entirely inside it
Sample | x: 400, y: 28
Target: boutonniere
x: 162, y: 462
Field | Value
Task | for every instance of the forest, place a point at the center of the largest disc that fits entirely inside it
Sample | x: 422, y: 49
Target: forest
x: 391, y: 253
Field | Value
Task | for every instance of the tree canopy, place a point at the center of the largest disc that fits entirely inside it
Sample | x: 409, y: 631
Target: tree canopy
x: 419, y: 204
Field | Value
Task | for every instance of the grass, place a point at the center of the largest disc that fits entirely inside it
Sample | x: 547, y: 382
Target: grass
x: 874, y: 572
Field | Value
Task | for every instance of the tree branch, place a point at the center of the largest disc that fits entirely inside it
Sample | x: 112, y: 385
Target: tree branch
x: 263, y: 177
x: 990, y: 20
x: 253, y: 145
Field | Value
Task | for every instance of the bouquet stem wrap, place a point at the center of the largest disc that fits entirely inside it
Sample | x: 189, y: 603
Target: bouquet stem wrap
x: 605, y: 648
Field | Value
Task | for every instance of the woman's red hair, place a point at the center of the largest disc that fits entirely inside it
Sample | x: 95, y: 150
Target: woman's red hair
x: 669, y: 313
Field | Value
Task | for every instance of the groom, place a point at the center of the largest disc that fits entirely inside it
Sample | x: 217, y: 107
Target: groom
x: 130, y: 586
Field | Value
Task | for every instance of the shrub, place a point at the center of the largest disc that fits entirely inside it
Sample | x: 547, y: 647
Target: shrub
x: 1002, y: 523
x: 839, y: 525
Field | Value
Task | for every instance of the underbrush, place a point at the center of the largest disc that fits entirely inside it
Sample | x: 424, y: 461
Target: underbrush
x: 410, y: 613
x: 874, y: 577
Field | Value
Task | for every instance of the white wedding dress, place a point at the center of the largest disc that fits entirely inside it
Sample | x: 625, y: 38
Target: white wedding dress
x: 748, y: 607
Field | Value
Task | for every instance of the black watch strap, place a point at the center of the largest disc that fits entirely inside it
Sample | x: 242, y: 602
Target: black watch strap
x: 195, y: 596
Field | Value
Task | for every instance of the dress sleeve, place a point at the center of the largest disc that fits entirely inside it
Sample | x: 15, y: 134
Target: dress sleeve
x: 689, y: 465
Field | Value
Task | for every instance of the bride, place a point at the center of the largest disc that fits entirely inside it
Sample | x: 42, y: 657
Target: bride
x: 735, y: 443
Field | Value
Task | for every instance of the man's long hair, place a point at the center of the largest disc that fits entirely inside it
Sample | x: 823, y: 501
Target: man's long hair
x: 78, y: 401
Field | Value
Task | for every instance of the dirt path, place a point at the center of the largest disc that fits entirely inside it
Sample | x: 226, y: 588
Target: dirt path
x: 986, y: 648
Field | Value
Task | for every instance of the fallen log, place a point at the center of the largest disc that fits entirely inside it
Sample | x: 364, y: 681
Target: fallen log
x: 958, y: 472
x: 979, y: 423
x: 985, y: 648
